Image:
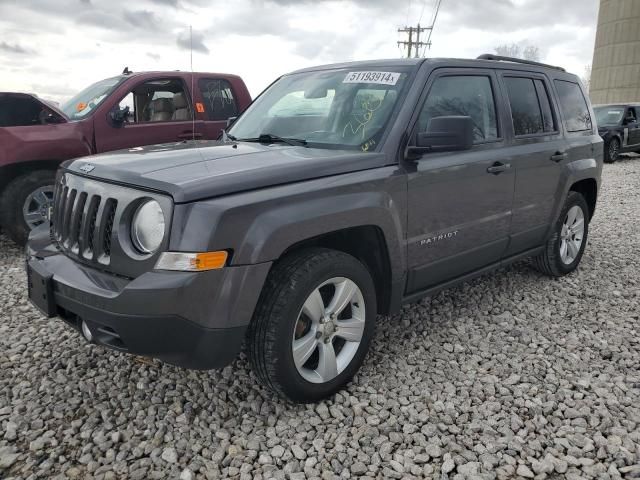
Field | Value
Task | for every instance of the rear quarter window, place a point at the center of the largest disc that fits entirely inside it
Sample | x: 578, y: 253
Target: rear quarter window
x: 574, y: 106
x: 219, y: 100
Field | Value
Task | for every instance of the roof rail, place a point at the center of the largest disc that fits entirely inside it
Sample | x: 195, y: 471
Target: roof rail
x: 491, y: 56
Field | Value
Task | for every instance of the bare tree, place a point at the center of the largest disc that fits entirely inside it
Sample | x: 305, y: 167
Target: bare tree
x: 514, y: 50
x: 586, y: 77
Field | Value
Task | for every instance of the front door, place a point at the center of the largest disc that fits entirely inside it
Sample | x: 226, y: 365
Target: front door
x: 159, y: 111
x: 459, y: 202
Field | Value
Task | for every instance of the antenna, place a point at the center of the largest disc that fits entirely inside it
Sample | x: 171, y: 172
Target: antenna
x: 193, y: 96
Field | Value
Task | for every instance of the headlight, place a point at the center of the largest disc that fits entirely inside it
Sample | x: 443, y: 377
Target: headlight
x: 147, y: 227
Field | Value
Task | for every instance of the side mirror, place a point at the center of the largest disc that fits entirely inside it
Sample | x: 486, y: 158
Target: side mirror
x: 47, y: 117
x: 230, y: 121
x: 445, y: 134
x: 118, y: 117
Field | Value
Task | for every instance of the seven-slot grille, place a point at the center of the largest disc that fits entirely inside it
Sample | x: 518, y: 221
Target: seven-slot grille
x: 82, y: 222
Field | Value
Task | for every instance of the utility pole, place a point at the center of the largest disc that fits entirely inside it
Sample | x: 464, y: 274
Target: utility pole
x: 410, y: 44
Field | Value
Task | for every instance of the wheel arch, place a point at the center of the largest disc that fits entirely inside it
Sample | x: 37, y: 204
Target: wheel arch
x: 10, y: 172
x: 588, y: 188
x: 365, y: 243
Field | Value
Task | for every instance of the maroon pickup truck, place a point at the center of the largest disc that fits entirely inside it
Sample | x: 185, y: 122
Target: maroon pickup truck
x: 129, y: 110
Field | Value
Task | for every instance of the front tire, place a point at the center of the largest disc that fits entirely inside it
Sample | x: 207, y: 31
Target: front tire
x: 313, y: 324
x: 612, y: 150
x: 564, y: 250
x: 25, y: 202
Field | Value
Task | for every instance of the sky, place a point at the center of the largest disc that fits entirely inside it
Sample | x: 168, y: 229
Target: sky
x: 55, y: 48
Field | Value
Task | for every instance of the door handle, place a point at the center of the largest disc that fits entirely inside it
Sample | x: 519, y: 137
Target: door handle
x: 498, y: 167
x: 559, y: 156
x: 188, y: 135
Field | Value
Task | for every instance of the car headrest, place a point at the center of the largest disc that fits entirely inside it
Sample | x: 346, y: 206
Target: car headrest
x: 179, y: 100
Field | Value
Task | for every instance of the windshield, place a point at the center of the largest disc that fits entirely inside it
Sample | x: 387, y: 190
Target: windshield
x: 88, y: 99
x: 347, y: 109
x: 609, y: 115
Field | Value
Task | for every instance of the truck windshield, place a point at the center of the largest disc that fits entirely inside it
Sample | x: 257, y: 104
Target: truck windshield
x: 88, y: 99
x: 608, y: 115
x: 340, y: 109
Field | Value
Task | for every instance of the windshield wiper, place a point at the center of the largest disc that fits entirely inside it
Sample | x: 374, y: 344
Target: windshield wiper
x: 270, y: 138
x: 226, y: 137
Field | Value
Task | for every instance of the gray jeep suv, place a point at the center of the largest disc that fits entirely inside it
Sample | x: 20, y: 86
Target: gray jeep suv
x: 341, y: 193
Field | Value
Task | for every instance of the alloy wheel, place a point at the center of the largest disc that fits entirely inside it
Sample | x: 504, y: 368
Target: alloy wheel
x: 36, y: 206
x: 328, y: 330
x: 572, y: 235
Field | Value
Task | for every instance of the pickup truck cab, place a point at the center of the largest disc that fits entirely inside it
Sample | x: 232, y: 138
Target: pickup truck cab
x: 128, y: 110
x: 619, y: 127
x: 341, y: 193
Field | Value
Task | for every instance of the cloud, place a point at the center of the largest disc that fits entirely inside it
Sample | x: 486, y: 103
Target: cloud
x: 170, y: 3
x: 14, y: 48
x: 197, y: 42
x: 142, y: 19
x: 80, y: 41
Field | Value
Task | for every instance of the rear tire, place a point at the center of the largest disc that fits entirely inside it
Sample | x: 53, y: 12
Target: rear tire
x: 612, y: 150
x: 14, y: 197
x: 563, y: 252
x: 298, y: 344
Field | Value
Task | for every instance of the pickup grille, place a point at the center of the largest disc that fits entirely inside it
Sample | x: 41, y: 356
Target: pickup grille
x: 82, y: 223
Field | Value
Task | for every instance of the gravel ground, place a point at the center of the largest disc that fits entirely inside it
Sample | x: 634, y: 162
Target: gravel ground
x: 510, y: 375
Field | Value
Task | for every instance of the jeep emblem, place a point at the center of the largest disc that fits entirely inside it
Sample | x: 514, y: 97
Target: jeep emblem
x: 87, y: 168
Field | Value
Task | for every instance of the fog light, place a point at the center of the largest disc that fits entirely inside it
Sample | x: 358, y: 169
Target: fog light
x: 86, y: 332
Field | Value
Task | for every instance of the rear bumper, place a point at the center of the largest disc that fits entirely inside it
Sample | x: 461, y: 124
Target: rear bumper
x: 192, y: 320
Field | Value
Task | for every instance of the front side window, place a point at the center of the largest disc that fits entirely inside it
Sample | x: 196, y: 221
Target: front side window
x: 574, y: 106
x: 90, y: 98
x: 219, y: 101
x: 346, y: 109
x: 157, y: 101
x: 470, y: 96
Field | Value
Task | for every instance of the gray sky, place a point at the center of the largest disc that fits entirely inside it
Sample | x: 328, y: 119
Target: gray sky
x: 57, y: 47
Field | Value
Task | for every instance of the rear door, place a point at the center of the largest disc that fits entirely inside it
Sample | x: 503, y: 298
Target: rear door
x: 459, y: 202
x: 539, y: 152
x: 633, y: 140
x: 217, y: 102
x: 160, y: 111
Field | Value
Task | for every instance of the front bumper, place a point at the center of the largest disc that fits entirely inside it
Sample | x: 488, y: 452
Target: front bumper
x: 193, y: 320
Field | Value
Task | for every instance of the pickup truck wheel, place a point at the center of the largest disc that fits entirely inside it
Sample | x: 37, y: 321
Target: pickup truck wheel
x: 313, y: 324
x: 565, y: 248
x: 25, y: 203
x: 612, y: 150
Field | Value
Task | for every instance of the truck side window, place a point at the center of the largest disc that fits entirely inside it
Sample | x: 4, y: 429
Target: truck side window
x: 157, y: 101
x: 219, y: 101
x: 574, y: 106
x: 469, y: 95
x: 530, y: 106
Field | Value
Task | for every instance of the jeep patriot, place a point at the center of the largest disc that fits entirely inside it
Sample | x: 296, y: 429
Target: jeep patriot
x: 341, y: 193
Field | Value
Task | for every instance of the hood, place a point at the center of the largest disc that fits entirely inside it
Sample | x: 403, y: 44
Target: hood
x: 23, y: 109
x: 194, y: 170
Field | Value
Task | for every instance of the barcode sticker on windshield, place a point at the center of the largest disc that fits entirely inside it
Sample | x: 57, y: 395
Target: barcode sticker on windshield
x: 381, y: 78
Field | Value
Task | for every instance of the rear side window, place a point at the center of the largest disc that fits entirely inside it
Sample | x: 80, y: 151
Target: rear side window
x: 219, y: 101
x: 574, y: 106
x: 467, y: 95
x: 525, y: 107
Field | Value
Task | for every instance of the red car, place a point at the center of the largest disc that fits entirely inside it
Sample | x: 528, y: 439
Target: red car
x: 129, y: 110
